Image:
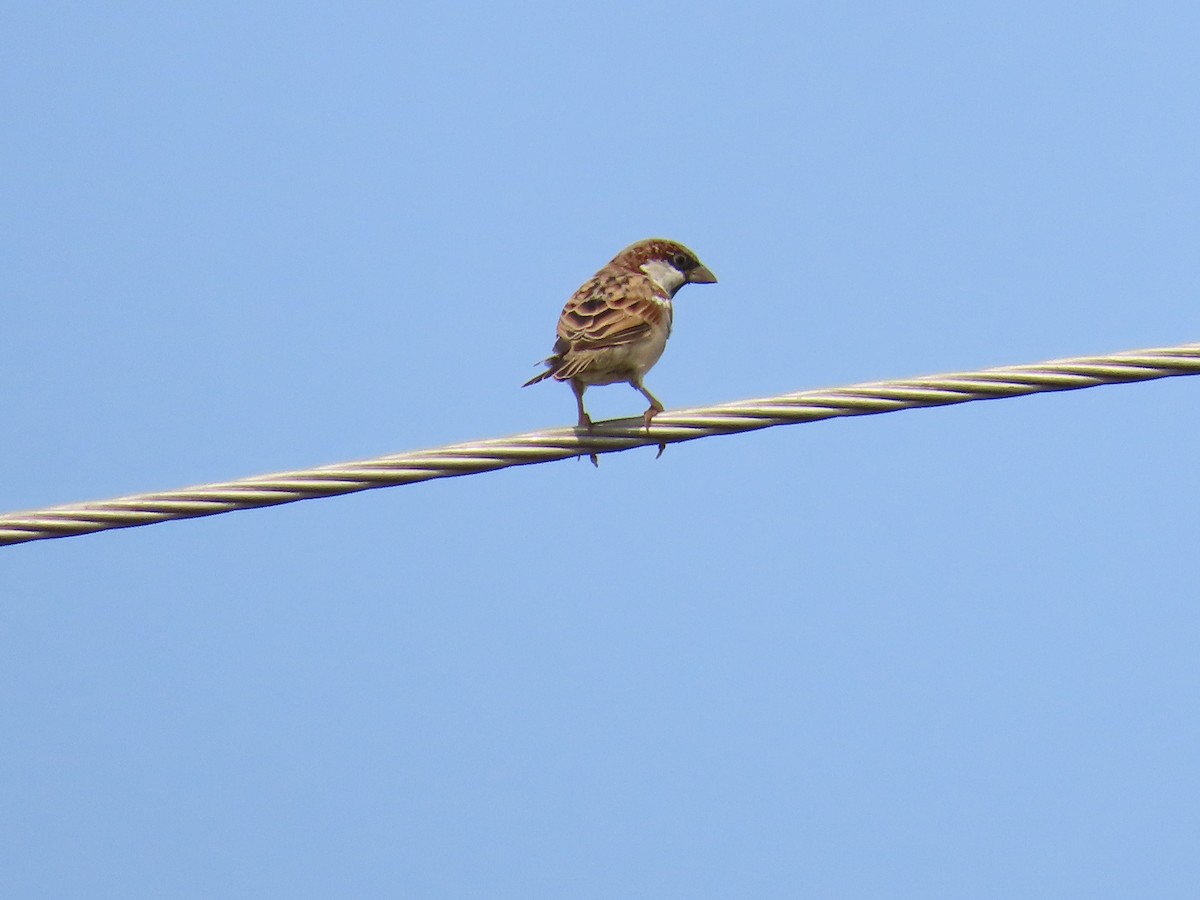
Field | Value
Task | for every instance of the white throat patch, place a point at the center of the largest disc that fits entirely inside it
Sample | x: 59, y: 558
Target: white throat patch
x: 665, y: 275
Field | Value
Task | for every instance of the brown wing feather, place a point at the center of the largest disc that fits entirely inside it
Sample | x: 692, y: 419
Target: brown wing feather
x: 614, y: 308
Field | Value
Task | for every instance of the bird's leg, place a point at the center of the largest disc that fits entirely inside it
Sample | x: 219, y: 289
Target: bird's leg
x: 654, y: 410
x: 585, y: 421
x: 655, y: 406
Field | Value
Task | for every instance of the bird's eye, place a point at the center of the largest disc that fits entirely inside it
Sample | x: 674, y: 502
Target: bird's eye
x: 682, y: 262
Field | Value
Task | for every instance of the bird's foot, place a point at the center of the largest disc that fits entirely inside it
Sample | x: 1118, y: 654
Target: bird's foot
x: 650, y: 414
x: 585, y: 422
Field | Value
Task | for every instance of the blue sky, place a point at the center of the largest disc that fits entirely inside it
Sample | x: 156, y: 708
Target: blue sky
x: 942, y: 653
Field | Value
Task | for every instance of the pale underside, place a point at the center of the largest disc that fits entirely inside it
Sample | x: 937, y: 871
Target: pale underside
x: 614, y: 364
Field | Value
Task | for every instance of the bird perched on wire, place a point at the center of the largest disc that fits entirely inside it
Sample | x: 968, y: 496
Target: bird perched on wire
x: 615, y: 327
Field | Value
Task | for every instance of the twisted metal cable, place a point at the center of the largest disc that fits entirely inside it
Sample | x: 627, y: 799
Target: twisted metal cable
x: 608, y: 437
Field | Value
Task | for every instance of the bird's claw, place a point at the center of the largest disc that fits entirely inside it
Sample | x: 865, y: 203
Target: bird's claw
x: 585, y: 422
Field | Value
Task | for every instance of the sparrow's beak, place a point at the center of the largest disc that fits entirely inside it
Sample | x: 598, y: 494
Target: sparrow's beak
x: 701, y: 275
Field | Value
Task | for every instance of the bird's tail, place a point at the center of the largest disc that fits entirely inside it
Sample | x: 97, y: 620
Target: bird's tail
x: 553, y: 363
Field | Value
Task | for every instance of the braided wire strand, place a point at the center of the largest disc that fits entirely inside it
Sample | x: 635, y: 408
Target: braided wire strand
x: 608, y: 437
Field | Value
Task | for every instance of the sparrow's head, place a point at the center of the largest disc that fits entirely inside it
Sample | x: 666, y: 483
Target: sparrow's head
x: 668, y: 263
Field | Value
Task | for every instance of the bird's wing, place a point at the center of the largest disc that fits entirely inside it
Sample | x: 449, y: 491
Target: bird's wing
x: 612, y: 309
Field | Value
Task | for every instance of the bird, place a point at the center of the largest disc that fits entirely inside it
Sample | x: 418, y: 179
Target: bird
x: 615, y: 327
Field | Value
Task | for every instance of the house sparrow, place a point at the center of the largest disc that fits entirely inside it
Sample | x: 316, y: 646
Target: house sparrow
x: 615, y: 327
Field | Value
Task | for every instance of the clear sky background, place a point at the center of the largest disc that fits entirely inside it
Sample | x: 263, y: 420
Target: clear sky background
x: 945, y: 653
